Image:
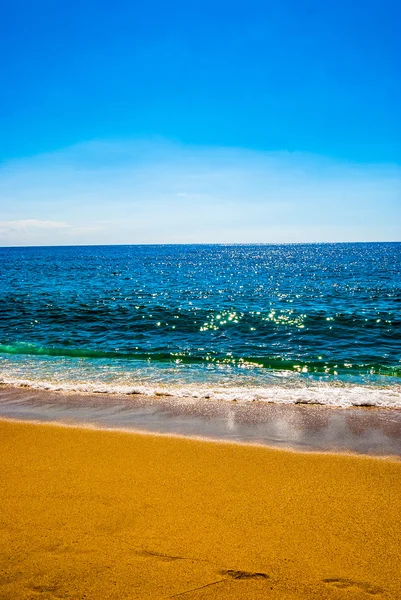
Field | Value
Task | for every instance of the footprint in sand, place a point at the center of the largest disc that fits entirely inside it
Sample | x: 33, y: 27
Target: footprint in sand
x: 159, y: 556
x: 341, y: 583
x: 50, y: 590
x: 243, y: 574
x: 227, y: 573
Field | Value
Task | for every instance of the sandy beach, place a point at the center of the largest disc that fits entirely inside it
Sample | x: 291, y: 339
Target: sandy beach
x: 98, y: 514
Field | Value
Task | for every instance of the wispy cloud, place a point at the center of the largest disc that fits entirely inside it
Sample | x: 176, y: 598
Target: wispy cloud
x: 28, y: 224
x: 31, y: 230
x: 155, y: 191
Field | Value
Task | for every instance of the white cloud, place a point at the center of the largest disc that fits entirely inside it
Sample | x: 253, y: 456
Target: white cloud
x: 154, y: 191
x: 25, y: 231
x: 28, y: 224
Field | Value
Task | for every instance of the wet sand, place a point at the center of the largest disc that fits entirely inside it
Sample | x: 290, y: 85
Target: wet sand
x: 103, y: 515
x: 374, y: 431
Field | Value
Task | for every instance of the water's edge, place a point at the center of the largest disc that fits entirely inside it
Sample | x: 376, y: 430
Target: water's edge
x: 371, y: 431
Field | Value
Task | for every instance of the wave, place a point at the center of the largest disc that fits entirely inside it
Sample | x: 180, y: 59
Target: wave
x: 323, y: 393
x: 274, y: 363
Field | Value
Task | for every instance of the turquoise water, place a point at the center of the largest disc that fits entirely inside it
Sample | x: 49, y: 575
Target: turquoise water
x: 283, y: 323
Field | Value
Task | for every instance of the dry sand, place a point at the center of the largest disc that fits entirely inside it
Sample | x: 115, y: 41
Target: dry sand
x: 98, y: 515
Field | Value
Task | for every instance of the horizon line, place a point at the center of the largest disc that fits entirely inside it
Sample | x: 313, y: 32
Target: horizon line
x: 202, y: 244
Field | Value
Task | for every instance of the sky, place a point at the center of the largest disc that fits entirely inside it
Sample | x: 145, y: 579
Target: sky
x: 199, y: 122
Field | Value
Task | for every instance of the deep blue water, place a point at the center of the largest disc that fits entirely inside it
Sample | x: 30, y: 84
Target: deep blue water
x: 314, y: 322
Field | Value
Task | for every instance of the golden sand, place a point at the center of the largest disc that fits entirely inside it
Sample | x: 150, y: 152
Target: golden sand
x: 99, y: 515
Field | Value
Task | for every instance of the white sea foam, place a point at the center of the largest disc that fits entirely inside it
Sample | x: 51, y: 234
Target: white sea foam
x: 334, y: 393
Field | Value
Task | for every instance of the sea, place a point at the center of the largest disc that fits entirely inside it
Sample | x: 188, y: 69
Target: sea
x: 283, y: 324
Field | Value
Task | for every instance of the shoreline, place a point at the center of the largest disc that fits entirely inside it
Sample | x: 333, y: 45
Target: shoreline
x: 337, y: 394
x: 356, y: 430
x: 197, y: 439
x: 102, y: 514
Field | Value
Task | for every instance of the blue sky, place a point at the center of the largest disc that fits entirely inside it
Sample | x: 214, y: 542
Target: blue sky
x: 132, y: 122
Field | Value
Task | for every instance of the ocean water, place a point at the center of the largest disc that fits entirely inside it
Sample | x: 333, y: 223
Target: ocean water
x: 313, y: 323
